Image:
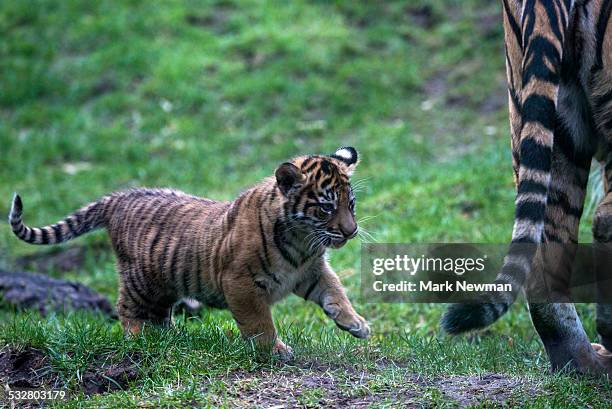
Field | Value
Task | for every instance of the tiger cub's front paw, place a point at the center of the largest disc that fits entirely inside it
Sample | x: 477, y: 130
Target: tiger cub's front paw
x: 348, y: 320
x: 358, y: 328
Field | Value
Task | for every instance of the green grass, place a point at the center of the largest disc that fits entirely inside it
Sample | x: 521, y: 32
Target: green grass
x: 209, y: 97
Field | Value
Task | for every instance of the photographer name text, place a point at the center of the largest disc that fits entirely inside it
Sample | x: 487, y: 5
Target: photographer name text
x: 447, y: 286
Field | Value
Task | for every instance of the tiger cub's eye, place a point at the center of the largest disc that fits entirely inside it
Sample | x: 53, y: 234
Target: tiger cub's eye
x: 326, y: 207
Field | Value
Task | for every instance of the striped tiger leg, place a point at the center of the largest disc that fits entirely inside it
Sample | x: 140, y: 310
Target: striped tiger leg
x: 601, y: 85
x: 253, y: 316
x: 602, y: 233
x: 326, y: 290
x: 138, y: 306
x: 558, y: 324
x: 566, y: 343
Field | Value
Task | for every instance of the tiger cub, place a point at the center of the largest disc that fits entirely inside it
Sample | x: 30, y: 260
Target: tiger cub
x: 242, y: 255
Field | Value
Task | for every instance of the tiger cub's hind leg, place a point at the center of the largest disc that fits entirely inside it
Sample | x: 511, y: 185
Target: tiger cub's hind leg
x: 137, y: 306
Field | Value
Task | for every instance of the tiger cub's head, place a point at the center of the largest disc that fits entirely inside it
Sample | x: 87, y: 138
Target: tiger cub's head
x: 318, y: 195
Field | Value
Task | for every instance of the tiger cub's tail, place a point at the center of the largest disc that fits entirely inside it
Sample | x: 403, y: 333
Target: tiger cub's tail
x: 80, y: 222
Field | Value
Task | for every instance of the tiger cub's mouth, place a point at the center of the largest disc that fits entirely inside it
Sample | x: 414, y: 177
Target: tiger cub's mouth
x: 338, y: 240
x: 336, y: 244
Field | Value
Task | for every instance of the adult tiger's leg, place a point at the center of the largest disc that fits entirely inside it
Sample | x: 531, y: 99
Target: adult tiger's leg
x: 565, y: 341
x: 601, y: 102
x: 558, y: 324
x: 602, y: 233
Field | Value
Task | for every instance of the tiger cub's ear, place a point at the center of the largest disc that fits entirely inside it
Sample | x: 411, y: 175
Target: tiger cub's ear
x: 289, y: 178
x: 349, y: 156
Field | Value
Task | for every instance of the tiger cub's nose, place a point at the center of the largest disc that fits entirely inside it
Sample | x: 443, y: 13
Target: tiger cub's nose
x: 349, y: 233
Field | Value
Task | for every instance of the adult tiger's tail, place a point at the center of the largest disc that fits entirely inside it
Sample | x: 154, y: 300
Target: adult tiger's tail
x: 540, y: 39
x: 80, y: 222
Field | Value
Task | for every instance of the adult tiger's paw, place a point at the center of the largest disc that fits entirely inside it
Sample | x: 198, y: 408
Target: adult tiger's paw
x: 604, y: 357
x: 348, y: 320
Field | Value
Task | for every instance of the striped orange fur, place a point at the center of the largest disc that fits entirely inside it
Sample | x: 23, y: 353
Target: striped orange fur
x: 559, y: 74
x: 242, y: 255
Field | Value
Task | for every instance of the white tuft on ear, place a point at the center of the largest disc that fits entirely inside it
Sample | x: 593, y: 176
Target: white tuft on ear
x: 349, y: 156
x: 344, y: 154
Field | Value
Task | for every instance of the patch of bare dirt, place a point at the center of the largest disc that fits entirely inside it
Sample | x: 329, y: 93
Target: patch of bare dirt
x: 318, y: 385
x: 468, y: 390
x: 324, y: 386
x: 316, y: 389
x: 23, y: 368
x: 29, y: 368
x: 61, y: 259
x: 110, y: 378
